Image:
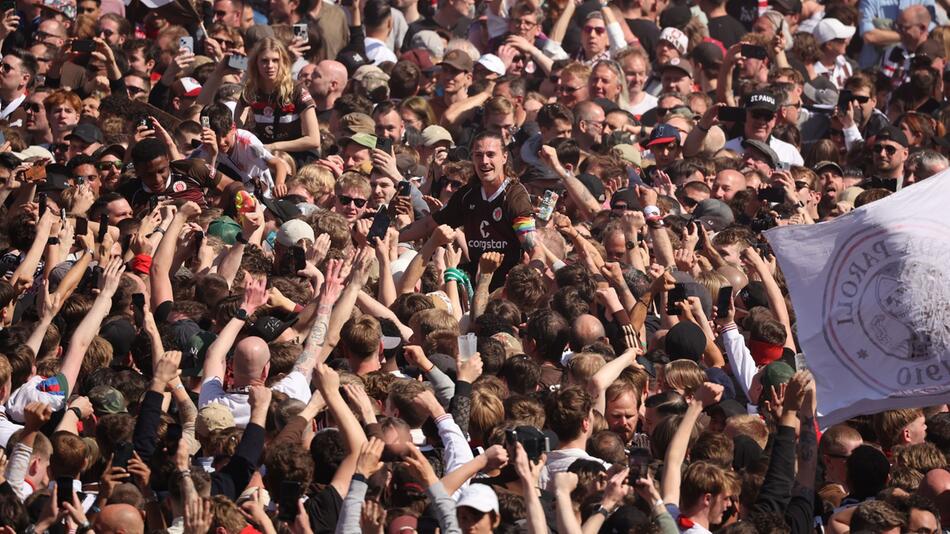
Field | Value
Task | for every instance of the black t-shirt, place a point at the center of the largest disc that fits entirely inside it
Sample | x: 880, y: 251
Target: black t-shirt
x: 647, y: 32
x: 489, y: 224
x: 188, y: 180
x: 726, y: 29
x: 323, y: 510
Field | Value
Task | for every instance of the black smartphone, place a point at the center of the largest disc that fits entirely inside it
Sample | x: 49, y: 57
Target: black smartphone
x: 82, y: 226
x: 750, y: 51
x: 7, y: 5
x: 844, y: 98
x: 677, y: 294
x: 772, y: 194
x: 103, y: 227
x: 380, y: 225
x: 404, y: 189
x: 172, y: 437
x: 41, y: 202
x: 723, y: 301
x: 84, y: 46
x: 700, y: 235
x: 126, y: 243
x: 640, y: 459
x: 730, y: 114
x: 122, y: 455
x: 300, y: 257
x: 64, y: 490
x: 97, y: 276
x: 290, y: 492
x: 199, y: 239
x: 138, y: 309
x: 385, y: 144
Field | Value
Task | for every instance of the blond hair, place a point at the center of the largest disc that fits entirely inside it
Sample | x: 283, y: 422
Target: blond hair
x: 487, y: 412
x: 683, y: 375
x: 285, y: 82
x: 748, y: 425
x: 315, y: 179
x: 890, y: 424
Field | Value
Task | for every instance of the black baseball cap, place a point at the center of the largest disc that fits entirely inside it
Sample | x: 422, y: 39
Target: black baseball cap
x: 892, y: 133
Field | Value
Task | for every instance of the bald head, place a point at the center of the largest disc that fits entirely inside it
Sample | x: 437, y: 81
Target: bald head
x: 119, y: 519
x: 728, y: 183
x: 737, y: 279
x: 936, y: 487
x: 251, y: 356
x: 916, y: 14
x: 333, y: 70
x: 586, y: 329
x: 913, y: 25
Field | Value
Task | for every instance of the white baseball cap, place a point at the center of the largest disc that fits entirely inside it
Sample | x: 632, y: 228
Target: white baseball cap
x: 479, y: 497
x: 829, y: 29
x: 675, y: 37
x: 493, y: 63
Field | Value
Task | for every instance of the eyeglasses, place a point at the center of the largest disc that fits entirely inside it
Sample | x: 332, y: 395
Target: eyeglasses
x: 106, y: 165
x: 41, y: 35
x: 890, y: 149
x: 31, y: 107
x: 599, y: 30
x: 619, y: 207
x: 6, y: 67
x: 568, y: 90
x: 801, y: 185
x: 762, y: 115
x: 134, y: 90
x: 524, y: 23
x: 554, y: 78
x: 346, y: 201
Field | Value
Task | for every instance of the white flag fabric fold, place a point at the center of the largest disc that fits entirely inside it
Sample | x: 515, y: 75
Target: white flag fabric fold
x: 871, y: 292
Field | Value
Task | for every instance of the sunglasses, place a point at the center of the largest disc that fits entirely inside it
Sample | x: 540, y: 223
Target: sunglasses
x: 619, y: 207
x: 106, y: 165
x: 861, y: 99
x: 890, y: 149
x: 346, y: 201
x: 800, y: 185
x: 688, y: 202
x: 32, y: 107
x: 568, y: 90
x: 599, y: 30
x: 762, y: 115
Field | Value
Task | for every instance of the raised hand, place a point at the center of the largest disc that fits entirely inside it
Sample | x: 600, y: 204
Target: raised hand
x: 369, y: 462
x: 489, y: 262
x: 255, y: 294
x: 111, y: 277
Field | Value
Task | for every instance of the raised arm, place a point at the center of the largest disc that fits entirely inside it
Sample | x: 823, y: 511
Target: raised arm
x: 329, y: 294
x: 774, y: 293
x: 89, y: 326
x: 328, y: 382
x: 344, y: 308
x: 254, y: 297
x: 160, y: 271
x: 707, y: 394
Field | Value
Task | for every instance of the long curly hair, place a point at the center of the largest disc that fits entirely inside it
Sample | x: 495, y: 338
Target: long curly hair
x: 285, y: 82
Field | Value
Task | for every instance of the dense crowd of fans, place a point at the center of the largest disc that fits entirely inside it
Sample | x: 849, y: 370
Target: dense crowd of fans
x: 459, y: 265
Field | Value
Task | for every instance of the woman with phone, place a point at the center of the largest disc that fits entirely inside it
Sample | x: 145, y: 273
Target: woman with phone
x: 281, y: 114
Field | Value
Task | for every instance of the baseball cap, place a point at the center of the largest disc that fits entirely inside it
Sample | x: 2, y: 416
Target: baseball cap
x: 281, y: 209
x: 292, y: 231
x: 107, y: 400
x: 493, y: 63
x: 66, y: 7
x: 225, y: 228
x: 211, y: 417
x: 714, y: 214
x: 764, y: 149
x: 829, y: 29
x: 356, y: 122
x: 190, y: 87
x: 761, y: 100
x: 86, y: 132
x: 676, y: 38
x: 436, y: 134
x: 269, y: 327
x: 114, y: 149
x: 430, y: 41
x: 480, y: 497
x: 709, y: 54
x: 37, y: 151
x: 458, y: 59
x: 420, y: 57
x: 662, y: 133
x: 892, y: 133
x: 774, y: 375
x: 369, y: 71
x: 361, y: 138
x: 629, y: 153
x: 120, y: 333
x: 677, y: 64
x: 193, y: 352
x: 593, y: 184
x: 823, y: 165
x: 821, y: 92
x: 685, y: 340
x: 352, y: 60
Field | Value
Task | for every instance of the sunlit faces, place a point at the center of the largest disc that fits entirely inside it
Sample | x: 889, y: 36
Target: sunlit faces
x: 489, y: 158
x: 604, y: 83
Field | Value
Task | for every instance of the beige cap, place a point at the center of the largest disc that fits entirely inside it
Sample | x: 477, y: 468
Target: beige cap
x: 214, y: 416
x: 629, y: 153
x: 436, y: 134
x: 353, y: 123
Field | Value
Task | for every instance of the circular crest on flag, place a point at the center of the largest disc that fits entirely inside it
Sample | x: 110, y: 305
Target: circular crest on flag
x: 179, y: 186
x: 496, y: 214
x: 268, y: 111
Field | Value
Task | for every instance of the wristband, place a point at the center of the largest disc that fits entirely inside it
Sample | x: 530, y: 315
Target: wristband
x: 141, y: 263
x: 240, y: 238
x: 52, y: 241
x: 158, y: 230
x: 76, y: 411
x: 651, y: 211
x: 461, y: 277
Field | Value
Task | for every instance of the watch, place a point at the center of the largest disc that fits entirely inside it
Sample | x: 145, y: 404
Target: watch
x: 630, y: 245
x: 603, y: 511
x: 241, y: 314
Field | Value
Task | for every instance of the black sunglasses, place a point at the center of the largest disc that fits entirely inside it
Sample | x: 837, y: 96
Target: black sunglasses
x: 891, y: 150
x: 762, y: 115
x: 346, y: 201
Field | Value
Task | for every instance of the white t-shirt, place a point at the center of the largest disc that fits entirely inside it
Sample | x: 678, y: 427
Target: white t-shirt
x: 52, y: 391
x: 649, y: 102
x: 838, y: 74
x: 378, y: 51
x: 249, y: 159
x: 295, y: 385
x: 785, y: 151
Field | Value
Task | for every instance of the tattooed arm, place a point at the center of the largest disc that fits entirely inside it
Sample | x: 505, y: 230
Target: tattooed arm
x: 329, y: 294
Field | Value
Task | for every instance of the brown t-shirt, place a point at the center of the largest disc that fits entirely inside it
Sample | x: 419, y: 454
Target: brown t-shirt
x: 489, y: 224
x: 271, y: 122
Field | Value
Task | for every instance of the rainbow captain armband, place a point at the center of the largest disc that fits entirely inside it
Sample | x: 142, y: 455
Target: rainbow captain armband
x: 523, y: 225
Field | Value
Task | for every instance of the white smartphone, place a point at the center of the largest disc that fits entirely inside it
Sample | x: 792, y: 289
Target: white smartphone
x: 187, y: 42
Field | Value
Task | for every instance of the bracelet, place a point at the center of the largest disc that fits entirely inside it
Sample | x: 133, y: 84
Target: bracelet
x: 700, y: 128
x: 178, y: 386
x: 461, y: 277
x: 184, y: 473
x: 76, y: 411
x: 159, y: 230
x: 52, y: 241
x: 240, y: 238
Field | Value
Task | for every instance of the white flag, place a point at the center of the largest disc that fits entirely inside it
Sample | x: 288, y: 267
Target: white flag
x: 871, y: 292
